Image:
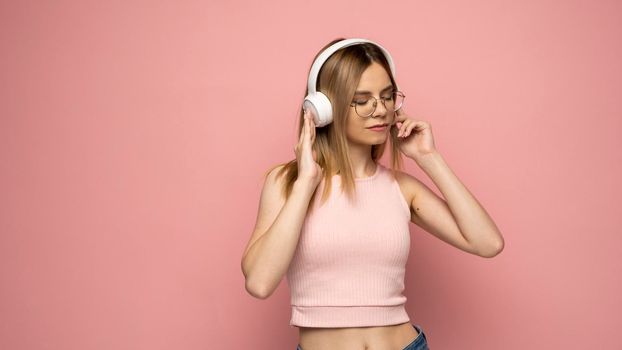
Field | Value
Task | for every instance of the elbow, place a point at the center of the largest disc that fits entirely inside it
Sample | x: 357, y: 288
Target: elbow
x: 493, y: 250
x: 258, y: 291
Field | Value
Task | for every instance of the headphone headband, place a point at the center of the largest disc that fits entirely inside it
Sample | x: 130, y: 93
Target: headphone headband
x: 319, y: 62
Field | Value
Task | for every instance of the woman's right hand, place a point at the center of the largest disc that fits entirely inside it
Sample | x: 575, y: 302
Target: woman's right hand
x: 308, y: 168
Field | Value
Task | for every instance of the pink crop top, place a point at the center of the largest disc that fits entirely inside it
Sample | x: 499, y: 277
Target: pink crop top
x: 348, y: 268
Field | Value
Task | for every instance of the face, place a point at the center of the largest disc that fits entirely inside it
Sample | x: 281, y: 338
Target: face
x: 373, y: 83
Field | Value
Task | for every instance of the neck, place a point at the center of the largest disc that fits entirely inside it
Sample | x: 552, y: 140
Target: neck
x: 362, y: 163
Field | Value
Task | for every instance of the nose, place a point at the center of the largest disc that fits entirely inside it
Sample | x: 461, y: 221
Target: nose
x: 380, y: 104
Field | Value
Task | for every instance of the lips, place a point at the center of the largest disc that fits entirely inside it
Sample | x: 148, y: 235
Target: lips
x: 378, y: 126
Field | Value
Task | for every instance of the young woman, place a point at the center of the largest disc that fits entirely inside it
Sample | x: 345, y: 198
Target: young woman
x: 334, y: 220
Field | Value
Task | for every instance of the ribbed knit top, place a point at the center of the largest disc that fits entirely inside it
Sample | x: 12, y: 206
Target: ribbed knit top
x: 349, y: 264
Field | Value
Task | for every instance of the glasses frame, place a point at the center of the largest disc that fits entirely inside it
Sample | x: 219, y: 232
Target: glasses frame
x: 353, y: 104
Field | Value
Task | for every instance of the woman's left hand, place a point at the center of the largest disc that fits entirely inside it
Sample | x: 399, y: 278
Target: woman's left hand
x: 416, y: 139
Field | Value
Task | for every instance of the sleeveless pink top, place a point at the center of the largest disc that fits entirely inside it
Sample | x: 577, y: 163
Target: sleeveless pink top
x: 348, y: 268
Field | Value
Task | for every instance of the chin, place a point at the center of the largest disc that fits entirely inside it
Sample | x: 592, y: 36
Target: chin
x: 378, y: 140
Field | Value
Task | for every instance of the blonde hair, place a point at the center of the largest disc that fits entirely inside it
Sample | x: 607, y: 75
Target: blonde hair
x: 338, y: 80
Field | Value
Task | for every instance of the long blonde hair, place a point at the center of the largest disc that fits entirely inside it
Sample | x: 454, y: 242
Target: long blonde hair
x: 338, y: 79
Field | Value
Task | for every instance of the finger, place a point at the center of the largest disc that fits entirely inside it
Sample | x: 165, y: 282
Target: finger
x: 302, y: 133
x: 307, y: 136
x: 308, y: 125
x: 307, y: 146
x: 302, y: 129
x: 403, y: 126
x: 414, y: 125
x: 411, y: 125
x: 311, y: 134
x: 312, y: 130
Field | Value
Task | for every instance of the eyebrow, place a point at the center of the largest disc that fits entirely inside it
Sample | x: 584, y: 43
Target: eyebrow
x: 369, y: 92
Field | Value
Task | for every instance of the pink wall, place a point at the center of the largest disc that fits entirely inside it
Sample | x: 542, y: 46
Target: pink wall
x: 133, y: 137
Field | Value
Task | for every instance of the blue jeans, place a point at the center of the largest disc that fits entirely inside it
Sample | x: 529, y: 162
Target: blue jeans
x: 419, y: 343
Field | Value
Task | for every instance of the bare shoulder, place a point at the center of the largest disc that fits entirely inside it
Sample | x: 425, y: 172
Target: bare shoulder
x: 271, y: 175
x: 408, y: 184
x: 274, y: 186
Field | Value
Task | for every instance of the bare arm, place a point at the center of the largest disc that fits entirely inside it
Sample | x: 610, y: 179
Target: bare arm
x: 460, y: 220
x: 270, y: 250
x: 279, y: 221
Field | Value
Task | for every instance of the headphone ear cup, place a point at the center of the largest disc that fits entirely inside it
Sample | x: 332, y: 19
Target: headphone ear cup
x: 320, y: 108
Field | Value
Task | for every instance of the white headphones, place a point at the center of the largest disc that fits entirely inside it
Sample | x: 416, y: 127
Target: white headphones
x: 316, y: 102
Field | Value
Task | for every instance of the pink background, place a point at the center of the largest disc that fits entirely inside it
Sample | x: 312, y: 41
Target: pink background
x: 133, y: 138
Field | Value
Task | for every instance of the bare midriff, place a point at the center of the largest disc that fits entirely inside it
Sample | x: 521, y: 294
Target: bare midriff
x: 393, y: 337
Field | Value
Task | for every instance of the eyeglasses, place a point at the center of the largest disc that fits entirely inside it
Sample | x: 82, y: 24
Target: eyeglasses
x: 366, y: 106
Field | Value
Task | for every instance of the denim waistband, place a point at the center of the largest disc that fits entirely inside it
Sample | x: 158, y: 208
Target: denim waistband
x: 419, y: 343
